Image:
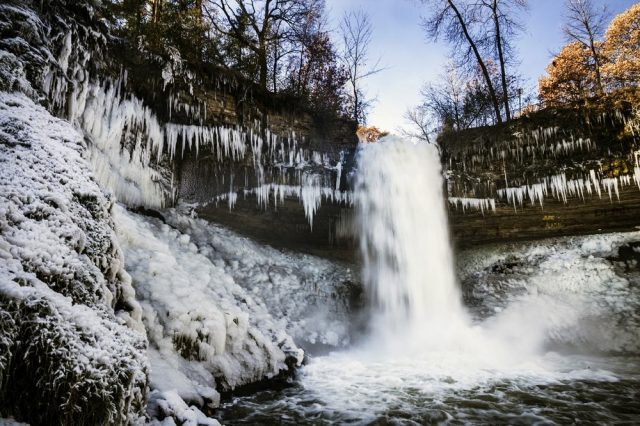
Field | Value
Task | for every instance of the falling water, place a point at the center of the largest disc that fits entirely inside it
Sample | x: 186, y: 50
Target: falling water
x: 404, y: 237
x: 554, y: 340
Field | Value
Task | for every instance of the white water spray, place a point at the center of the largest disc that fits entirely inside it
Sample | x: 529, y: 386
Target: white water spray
x: 404, y: 237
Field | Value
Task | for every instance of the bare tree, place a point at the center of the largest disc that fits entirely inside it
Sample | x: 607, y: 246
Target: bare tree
x: 585, y: 23
x: 356, y: 31
x: 421, y: 124
x: 453, y: 102
x: 503, y: 15
x: 454, y: 21
x: 256, y: 24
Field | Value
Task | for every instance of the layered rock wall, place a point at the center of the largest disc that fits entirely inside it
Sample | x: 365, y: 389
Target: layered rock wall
x: 554, y: 172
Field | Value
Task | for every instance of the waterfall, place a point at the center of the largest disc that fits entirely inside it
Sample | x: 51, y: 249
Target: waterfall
x: 404, y: 238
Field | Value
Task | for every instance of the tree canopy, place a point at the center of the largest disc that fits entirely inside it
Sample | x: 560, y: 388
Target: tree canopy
x: 283, y: 46
x: 622, y: 49
x: 595, y: 61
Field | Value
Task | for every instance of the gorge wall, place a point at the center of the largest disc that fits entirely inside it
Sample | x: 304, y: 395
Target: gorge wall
x: 557, y: 171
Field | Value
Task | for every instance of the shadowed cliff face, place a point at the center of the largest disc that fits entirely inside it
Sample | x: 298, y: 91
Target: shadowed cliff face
x: 286, y: 227
x: 297, y: 204
x: 555, y: 172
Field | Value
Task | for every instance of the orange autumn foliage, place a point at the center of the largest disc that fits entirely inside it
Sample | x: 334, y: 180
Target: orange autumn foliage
x: 622, y: 49
x: 370, y: 134
x: 570, y: 77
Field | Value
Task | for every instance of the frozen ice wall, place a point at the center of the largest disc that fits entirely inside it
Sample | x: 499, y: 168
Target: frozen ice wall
x: 221, y: 311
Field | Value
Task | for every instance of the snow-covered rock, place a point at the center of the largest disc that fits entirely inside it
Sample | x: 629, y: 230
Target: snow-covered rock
x: 71, y: 337
x: 202, y: 324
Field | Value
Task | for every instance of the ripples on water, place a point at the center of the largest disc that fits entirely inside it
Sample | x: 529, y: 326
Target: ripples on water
x: 578, y: 292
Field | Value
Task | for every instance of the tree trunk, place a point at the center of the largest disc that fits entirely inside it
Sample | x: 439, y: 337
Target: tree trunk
x: 483, y: 67
x: 263, y: 68
x: 596, y: 61
x: 201, y: 33
x: 503, y: 73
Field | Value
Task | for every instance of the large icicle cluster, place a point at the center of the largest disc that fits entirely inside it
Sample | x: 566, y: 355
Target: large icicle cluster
x: 132, y: 149
x: 129, y: 141
x: 562, y: 189
x: 539, y: 143
x: 71, y: 337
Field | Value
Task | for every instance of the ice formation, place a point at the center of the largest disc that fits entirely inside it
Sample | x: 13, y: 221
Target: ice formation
x: 562, y: 189
x: 539, y: 143
x: 220, y: 310
x: 311, y: 192
x: 309, y: 296
x: 482, y: 204
x: 132, y: 150
x: 73, y: 344
x: 130, y: 144
x: 196, y: 314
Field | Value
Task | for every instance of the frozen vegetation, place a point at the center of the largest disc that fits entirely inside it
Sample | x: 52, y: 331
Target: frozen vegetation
x: 72, y: 341
x: 309, y: 297
x: 222, y: 311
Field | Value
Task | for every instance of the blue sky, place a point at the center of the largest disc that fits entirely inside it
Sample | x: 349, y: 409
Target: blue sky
x: 410, y: 60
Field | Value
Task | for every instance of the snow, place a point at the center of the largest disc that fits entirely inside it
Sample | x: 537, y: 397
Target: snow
x: 218, y: 316
x: 68, y: 310
x: 195, y: 314
x: 170, y: 406
x: 306, y: 294
x: 572, y: 291
x: 212, y: 319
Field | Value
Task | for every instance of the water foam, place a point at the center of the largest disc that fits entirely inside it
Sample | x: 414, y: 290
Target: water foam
x: 428, y: 359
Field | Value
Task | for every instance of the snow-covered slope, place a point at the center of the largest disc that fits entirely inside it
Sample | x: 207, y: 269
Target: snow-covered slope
x: 195, y: 312
x: 72, y: 345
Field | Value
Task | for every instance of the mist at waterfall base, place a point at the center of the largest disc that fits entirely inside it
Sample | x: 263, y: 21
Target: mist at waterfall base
x: 539, y: 332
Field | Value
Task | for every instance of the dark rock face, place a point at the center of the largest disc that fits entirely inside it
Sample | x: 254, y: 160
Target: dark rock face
x: 577, y: 217
x: 296, y: 205
x: 555, y: 172
x: 286, y: 226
